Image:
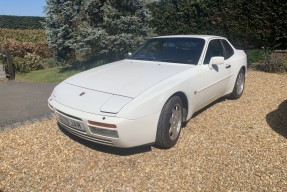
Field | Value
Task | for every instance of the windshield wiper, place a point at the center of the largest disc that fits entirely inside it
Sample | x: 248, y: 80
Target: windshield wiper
x: 143, y: 59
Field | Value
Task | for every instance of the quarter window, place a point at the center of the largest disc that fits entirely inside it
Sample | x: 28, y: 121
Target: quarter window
x: 228, y: 49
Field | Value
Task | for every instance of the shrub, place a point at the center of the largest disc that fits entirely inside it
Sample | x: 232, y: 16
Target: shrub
x: 274, y: 62
x: 18, y: 49
x: 42, y: 49
x: 15, y: 48
x: 27, y: 56
x: 51, y: 62
x: 255, y: 56
x: 29, y: 62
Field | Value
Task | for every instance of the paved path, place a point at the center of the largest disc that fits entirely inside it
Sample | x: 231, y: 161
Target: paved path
x: 23, y: 102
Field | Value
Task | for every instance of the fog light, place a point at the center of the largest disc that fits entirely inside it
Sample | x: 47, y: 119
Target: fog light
x: 104, y: 132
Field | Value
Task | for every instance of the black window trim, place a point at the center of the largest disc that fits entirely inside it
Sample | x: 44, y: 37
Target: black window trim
x: 225, y: 52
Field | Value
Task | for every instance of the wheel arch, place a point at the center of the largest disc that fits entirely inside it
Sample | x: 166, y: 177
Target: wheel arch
x: 184, y: 100
x: 244, y: 69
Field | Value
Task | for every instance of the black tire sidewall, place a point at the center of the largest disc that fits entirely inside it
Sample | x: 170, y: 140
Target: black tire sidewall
x: 162, y: 137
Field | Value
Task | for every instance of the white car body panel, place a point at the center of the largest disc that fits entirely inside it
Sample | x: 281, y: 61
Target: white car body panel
x: 131, y: 132
x: 237, y: 63
x: 135, y: 77
x: 69, y: 95
x: 115, y: 104
x: 131, y: 94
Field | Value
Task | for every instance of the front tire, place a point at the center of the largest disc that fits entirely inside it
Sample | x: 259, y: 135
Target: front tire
x: 239, y: 86
x: 170, y: 123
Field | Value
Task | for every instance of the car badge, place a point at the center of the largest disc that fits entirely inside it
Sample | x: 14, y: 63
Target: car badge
x: 83, y: 93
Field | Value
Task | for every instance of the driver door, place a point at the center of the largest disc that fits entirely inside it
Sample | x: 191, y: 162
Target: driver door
x: 214, y: 78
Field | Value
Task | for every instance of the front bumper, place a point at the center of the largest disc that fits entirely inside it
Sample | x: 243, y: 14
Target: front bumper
x: 128, y: 133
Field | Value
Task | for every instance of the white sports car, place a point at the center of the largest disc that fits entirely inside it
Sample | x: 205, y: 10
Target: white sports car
x: 146, y: 98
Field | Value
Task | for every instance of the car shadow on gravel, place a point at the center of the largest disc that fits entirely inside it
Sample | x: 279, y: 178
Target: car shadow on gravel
x: 205, y: 108
x: 277, y: 119
x: 105, y: 148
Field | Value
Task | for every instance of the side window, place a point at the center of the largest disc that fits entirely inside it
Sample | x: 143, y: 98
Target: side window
x: 228, y: 49
x: 214, y: 49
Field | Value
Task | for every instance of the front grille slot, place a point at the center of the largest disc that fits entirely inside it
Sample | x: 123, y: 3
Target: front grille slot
x: 87, y: 137
x: 81, y: 133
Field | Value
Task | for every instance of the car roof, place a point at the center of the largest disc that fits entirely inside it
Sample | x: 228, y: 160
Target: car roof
x: 206, y: 37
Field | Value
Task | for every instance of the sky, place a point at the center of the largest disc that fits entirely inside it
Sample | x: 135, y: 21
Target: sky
x: 22, y: 7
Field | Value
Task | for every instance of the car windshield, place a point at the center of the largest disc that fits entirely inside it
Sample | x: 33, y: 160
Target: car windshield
x: 175, y: 50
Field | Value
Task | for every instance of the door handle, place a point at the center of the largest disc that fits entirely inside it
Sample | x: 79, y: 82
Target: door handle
x: 227, y: 66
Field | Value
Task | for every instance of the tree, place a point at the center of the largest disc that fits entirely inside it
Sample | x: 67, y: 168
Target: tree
x: 113, y: 27
x: 60, y: 26
x: 249, y: 24
x: 85, y: 29
x: 20, y: 22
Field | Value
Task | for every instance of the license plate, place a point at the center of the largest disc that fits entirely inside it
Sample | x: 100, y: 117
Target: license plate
x: 71, y: 123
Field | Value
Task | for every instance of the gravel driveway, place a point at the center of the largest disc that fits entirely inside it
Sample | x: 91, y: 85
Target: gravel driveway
x: 231, y: 146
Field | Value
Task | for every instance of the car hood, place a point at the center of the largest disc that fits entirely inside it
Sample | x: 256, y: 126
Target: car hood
x: 126, y: 78
x: 108, y: 88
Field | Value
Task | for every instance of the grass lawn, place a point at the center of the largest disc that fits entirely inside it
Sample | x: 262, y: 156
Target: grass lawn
x: 50, y: 75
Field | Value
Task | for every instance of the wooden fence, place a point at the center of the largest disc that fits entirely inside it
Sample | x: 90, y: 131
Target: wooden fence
x: 9, y: 68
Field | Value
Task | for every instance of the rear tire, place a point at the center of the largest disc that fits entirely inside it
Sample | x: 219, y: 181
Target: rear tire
x: 239, y: 86
x: 170, y: 123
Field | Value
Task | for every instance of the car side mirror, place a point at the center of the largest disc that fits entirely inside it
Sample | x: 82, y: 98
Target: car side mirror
x: 218, y: 60
x: 215, y: 61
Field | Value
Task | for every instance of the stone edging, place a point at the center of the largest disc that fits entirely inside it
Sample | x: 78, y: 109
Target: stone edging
x: 16, y: 124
